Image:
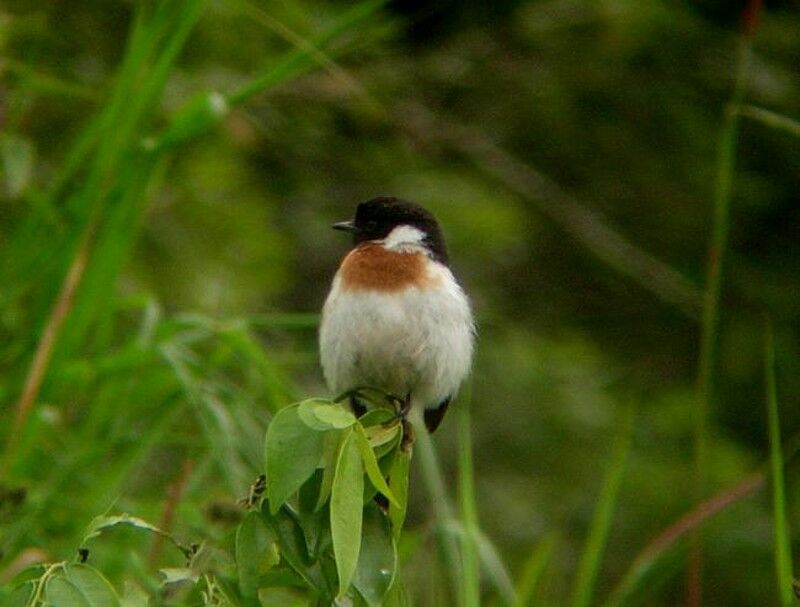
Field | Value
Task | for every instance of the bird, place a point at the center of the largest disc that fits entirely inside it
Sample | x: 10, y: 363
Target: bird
x: 395, y: 318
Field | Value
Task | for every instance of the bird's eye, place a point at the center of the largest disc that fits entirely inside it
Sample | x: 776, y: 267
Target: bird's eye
x: 371, y: 225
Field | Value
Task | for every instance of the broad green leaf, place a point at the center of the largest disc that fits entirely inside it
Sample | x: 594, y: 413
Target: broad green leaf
x: 382, y: 450
x: 346, y: 510
x: 322, y: 415
x: 19, y: 597
x: 256, y: 553
x: 377, y: 417
x: 306, y: 410
x: 377, y: 561
x: 292, y: 544
x: 178, y: 575
x: 371, y: 465
x: 293, y: 451
x: 311, y: 520
x: 282, y: 597
x: 329, y: 459
x: 100, y: 523
x: 281, y: 577
x: 398, y: 481
x: 60, y: 591
x: 382, y: 438
x: 134, y: 596
x: 80, y: 586
x: 335, y: 415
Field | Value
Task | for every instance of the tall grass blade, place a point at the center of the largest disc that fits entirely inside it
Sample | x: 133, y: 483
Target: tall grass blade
x: 771, y: 119
x: 494, y: 569
x: 433, y: 479
x: 783, y: 555
x: 710, y: 320
x: 533, y: 570
x: 601, y: 523
x: 302, y: 58
x: 470, y: 587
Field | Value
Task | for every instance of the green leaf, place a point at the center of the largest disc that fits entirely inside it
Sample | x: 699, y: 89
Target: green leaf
x: 397, y: 596
x: 589, y: 565
x: 329, y: 459
x: 783, y: 551
x: 322, y: 415
x: 101, y: 523
x: 293, y: 452
x: 346, y: 510
x: 199, y: 115
x: 384, y: 438
x: 312, y: 521
x: 533, y: 569
x: 256, y: 553
x: 19, y: 597
x: 281, y: 577
x: 59, y: 591
x: 293, y: 549
x: 285, y: 597
x: 80, y: 586
x: 371, y: 465
x: 134, y: 596
x: 377, y: 417
x: 178, y: 575
x: 398, y: 481
x: 377, y: 561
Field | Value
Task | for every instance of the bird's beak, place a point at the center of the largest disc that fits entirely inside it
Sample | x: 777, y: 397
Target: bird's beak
x: 345, y: 226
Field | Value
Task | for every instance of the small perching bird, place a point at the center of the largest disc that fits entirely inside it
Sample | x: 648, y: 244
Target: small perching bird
x: 396, y: 319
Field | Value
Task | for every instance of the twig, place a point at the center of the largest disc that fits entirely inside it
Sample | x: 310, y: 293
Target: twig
x: 684, y: 525
x: 587, y: 226
x: 174, y: 496
x: 771, y: 119
x: 44, y: 349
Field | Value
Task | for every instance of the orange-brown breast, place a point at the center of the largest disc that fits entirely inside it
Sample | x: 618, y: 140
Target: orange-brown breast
x: 372, y: 267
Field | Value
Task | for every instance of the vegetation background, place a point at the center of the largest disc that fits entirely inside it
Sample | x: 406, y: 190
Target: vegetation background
x: 169, y: 174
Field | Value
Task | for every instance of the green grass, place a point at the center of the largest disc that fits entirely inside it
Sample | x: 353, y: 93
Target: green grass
x: 115, y: 401
x: 783, y: 555
x: 592, y: 557
x: 710, y: 326
x: 470, y: 581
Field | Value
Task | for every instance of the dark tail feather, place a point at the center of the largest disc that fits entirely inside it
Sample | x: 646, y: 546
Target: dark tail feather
x: 433, y: 417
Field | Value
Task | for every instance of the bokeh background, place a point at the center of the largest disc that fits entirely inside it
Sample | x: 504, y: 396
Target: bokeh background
x: 571, y: 150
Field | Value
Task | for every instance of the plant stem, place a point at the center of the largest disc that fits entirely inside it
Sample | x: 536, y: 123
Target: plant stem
x: 783, y: 555
x: 443, y: 512
x: 710, y: 325
x: 469, y: 512
x: 601, y: 522
x: 44, y: 349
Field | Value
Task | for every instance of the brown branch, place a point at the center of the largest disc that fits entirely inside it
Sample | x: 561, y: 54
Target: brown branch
x: 686, y: 524
x: 173, y: 498
x: 44, y: 349
x: 699, y: 515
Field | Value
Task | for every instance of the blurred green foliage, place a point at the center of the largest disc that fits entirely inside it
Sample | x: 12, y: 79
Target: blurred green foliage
x: 209, y: 253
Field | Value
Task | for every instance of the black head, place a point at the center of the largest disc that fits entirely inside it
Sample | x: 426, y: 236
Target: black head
x: 376, y: 218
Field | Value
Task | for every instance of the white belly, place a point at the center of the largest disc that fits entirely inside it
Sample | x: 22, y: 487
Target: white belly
x: 415, y: 341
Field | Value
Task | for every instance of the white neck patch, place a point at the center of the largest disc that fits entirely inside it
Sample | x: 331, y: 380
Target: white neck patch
x: 404, y: 236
